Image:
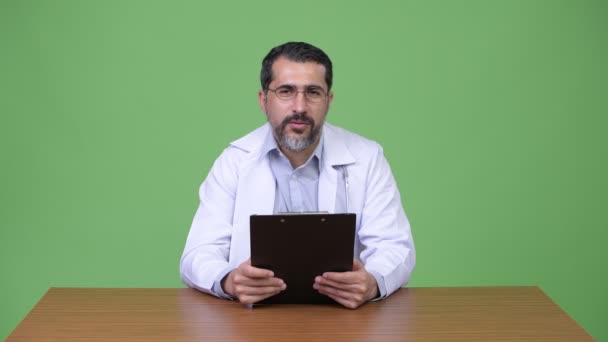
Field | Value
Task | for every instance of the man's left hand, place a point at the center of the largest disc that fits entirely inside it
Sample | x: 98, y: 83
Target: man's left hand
x: 351, y: 289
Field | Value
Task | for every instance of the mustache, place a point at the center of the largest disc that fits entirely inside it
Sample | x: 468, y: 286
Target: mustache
x: 298, y: 117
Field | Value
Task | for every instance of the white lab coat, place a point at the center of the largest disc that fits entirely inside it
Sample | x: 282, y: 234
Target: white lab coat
x: 241, y: 183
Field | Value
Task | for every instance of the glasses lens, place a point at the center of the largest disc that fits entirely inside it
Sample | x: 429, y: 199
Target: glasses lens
x: 286, y: 92
x: 314, y: 94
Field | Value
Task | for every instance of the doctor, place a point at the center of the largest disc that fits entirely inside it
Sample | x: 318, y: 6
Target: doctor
x: 297, y: 162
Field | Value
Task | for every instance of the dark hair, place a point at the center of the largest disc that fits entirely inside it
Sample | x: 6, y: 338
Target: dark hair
x: 296, y: 52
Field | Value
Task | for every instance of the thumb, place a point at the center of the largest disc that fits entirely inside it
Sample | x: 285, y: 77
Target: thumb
x: 357, y: 265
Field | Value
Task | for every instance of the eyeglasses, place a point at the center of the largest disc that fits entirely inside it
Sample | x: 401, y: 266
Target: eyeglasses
x: 288, y: 92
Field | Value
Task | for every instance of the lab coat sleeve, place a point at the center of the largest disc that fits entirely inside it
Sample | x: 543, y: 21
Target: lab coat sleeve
x: 207, y: 249
x: 385, y: 230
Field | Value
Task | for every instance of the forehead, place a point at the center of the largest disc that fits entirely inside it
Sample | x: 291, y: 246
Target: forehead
x: 285, y: 71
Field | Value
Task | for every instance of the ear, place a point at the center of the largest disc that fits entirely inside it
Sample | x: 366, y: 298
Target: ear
x: 262, y: 100
x: 331, y: 99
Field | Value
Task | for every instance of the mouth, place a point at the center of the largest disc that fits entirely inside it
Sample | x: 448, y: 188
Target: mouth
x: 297, y: 124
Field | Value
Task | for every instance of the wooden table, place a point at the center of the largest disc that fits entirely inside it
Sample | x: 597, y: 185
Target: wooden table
x: 415, y: 314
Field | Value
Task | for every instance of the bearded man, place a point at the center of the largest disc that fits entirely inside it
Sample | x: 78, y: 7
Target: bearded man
x: 298, y: 163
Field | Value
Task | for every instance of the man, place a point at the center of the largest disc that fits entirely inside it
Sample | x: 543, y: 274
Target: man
x: 297, y: 162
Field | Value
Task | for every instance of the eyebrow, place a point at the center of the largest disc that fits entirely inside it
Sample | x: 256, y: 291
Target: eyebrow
x: 308, y: 86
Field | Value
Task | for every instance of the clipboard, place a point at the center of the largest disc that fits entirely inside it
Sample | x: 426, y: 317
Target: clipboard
x: 299, y: 247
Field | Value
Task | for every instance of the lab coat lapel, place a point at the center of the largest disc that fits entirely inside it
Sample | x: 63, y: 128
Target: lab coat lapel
x: 258, y: 189
x: 335, y: 154
x: 328, y: 182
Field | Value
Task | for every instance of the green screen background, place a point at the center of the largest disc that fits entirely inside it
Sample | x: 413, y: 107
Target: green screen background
x: 493, y: 115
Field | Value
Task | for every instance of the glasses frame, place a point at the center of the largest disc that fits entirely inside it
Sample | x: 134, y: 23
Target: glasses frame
x: 324, y: 92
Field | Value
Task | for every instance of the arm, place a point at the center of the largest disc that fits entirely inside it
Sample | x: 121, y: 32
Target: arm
x: 387, y: 251
x: 205, y: 262
x: 388, y: 247
x: 205, y: 259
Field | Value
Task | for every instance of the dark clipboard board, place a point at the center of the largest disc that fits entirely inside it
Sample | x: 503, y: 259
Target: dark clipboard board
x: 299, y: 247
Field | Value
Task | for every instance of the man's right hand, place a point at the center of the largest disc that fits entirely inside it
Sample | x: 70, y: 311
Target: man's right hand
x: 251, y: 284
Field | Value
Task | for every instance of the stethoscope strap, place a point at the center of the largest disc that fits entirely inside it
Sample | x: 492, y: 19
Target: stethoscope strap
x: 346, y: 186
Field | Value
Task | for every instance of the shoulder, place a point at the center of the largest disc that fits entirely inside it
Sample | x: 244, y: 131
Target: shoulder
x: 350, y: 137
x: 246, y: 146
x: 351, y: 143
x: 253, y: 141
x: 241, y: 150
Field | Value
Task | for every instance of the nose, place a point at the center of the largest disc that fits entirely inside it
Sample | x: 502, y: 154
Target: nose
x: 299, y: 103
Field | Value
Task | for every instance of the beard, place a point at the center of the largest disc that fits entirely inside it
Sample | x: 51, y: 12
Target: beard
x: 296, y: 144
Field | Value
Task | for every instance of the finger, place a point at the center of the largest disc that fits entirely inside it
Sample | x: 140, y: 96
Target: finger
x: 357, y: 265
x: 339, y: 277
x: 344, y: 302
x: 351, y: 287
x: 357, y: 275
x: 251, y: 294
x: 331, y: 291
x: 251, y: 299
x: 241, y: 279
x: 346, y: 293
x: 244, y: 277
x: 265, y: 282
x: 259, y: 291
x: 254, y: 272
x: 345, y: 277
x: 347, y: 301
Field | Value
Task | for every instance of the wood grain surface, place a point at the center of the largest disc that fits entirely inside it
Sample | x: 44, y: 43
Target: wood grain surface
x: 415, y: 314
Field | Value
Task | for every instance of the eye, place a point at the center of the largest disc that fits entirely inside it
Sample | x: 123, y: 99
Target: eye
x: 285, y: 91
x: 314, y: 92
